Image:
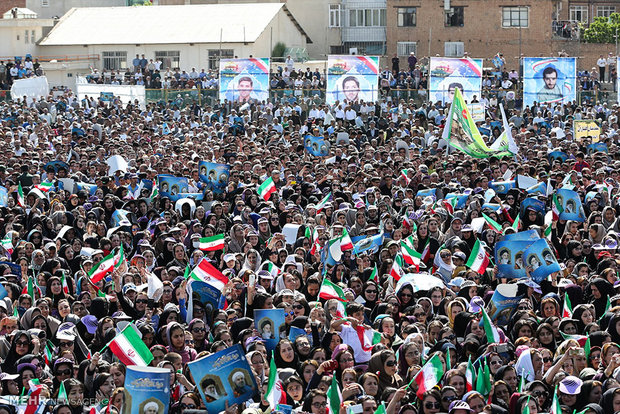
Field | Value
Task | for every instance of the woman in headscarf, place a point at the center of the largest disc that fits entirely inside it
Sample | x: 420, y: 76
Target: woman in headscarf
x: 237, y: 239
x: 383, y: 363
x: 599, y: 291
x: 176, y: 342
x: 596, y: 233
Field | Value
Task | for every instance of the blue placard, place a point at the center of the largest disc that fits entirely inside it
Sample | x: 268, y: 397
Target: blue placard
x: 224, y: 377
x: 502, y: 187
x: 147, y: 389
x: 461, y: 199
x: 509, y: 258
x: 501, y: 307
x: 15, y: 268
x: 208, y: 295
x: 172, y: 187
x: 4, y: 197
x: 214, y: 175
x: 572, y: 209
x: 549, y: 80
x: 596, y: 147
x: 271, y: 326
x: 558, y: 155
x: 540, y: 259
x: 90, y: 188
x: 533, y: 203
x: 316, y: 146
x: 427, y: 192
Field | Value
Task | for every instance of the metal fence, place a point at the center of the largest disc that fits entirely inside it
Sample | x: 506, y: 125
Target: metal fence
x: 183, y: 97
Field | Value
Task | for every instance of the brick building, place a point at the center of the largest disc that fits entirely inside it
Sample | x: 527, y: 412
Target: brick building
x: 480, y: 28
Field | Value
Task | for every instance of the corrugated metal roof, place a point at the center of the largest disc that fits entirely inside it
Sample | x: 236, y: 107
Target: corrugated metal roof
x: 162, y: 24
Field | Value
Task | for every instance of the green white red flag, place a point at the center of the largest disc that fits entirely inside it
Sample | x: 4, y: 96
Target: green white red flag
x: 567, y: 308
x: 275, y: 389
x: 321, y: 205
x: 205, y: 272
x: 330, y: 290
x: 478, y: 259
x: 397, y: 270
x: 212, y: 243
x: 495, y: 226
x: 409, y: 254
x: 429, y: 375
x: 20, y: 195
x: 129, y: 348
x: 267, y: 188
x: 556, y: 208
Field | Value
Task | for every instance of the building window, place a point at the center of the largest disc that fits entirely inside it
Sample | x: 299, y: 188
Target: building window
x: 45, y: 3
x: 515, y: 16
x: 605, y: 11
x: 334, y: 15
x: 367, y: 18
x: 169, y: 59
x: 578, y: 13
x: 406, y: 17
x: 26, y: 37
x: 405, y: 48
x: 454, y: 49
x: 455, y: 17
x: 32, y: 36
x: 114, y: 60
x: 214, y: 57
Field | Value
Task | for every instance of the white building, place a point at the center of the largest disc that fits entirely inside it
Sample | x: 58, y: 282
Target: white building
x: 20, y: 30
x: 181, y: 36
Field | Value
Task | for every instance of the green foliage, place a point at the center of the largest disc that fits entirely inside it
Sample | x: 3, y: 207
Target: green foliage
x: 602, y: 30
x: 278, y: 50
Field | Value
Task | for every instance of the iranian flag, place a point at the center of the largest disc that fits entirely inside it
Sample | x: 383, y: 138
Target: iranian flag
x: 205, y: 272
x: 330, y: 290
x: 470, y: 374
x: 334, y: 397
x: 409, y: 254
x: 555, y: 404
x: 556, y: 208
x: 478, y: 259
x: 517, y: 223
x: 493, y: 224
x: 323, y: 202
x: 267, y: 188
x: 32, y: 288
x: 429, y: 375
x: 20, y: 195
x: 44, y: 187
x: 7, y: 244
x: 154, y: 193
x: 490, y: 329
x: 405, y: 174
x: 129, y: 348
x: 374, y: 274
x: 62, y: 393
x: 106, y: 265
x: 315, y: 242
x: 275, y: 390
x: 368, y: 337
x: 273, y: 269
x: 212, y: 243
x: 450, y: 204
x: 345, y: 241
x: 63, y: 282
x: 426, y: 252
x: 567, y: 309
x: 34, y: 404
x: 397, y: 267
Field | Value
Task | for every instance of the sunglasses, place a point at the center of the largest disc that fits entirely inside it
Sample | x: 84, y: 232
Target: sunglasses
x: 430, y: 405
x: 298, y: 307
x: 142, y: 301
x: 63, y: 372
x: 188, y: 406
x: 390, y: 363
x: 547, y: 359
x: 65, y: 344
x: 418, y: 315
x: 198, y: 330
x: 448, y: 398
x: 289, y: 313
x: 21, y: 343
x: 370, y: 292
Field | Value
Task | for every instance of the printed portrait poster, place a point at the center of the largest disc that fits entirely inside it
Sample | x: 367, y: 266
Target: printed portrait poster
x: 208, y: 295
x: 541, y: 260
x: 532, y: 203
x: 244, y: 80
x: 502, y: 187
x: 503, y: 302
x: 447, y: 74
x: 571, y: 205
x: 172, y: 187
x: 214, y: 175
x: 597, y: 147
x: 223, y: 377
x: 147, y: 390
x: 316, y: 146
x: 549, y: 80
x: 270, y: 326
x: 509, y: 258
x: 352, y: 78
x: 586, y: 128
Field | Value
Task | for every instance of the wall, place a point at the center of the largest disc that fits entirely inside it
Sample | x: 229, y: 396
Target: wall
x: 482, y: 32
x: 60, y: 7
x: 11, y: 29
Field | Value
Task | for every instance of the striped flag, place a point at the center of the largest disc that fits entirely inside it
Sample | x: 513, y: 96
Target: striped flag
x: 470, y: 374
x: 567, y: 308
x: 490, y: 329
x: 315, y: 242
x: 107, y: 265
x: 63, y: 282
x: 48, y: 354
x: 7, y: 244
x: 129, y: 348
x: 483, y: 380
x: 426, y: 252
x: 32, y: 288
x: 334, y: 397
x: 34, y: 404
x: 405, y: 174
x: 267, y: 188
x: 345, y: 241
x: 374, y: 274
x: 429, y: 375
x: 212, y: 243
x: 154, y: 193
x: 20, y: 196
x: 330, y: 290
x: 517, y: 223
x: 44, y: 187
x: 450, y: 204
x: 62, y: 393
x: 478, y: 259
x: 555, y: 404
x: 321, y: 205
x: 275, y: 390
x: 409, y: 254
x: 494, y: 225
x: 205, y: 272
x: 368, y: 337
x: 397, y: 267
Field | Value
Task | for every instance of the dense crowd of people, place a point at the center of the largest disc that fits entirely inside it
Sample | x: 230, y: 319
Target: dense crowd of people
x: 54, y: 322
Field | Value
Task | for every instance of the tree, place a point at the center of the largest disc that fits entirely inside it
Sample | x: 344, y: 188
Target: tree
x: 602, y: 30
x: 278, y: 50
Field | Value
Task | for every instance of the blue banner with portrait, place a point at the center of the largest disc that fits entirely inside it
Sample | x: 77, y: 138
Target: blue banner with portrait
x: 214, y: 175
x: 147, y: 390
x: 549, y: 80
x: 316, y: 146
x: 91, y: 189
x: 352, y: 78
x: 271, y: 326
x: 597, y: 147
x: 503, y: 302
x: 558, y: 155
x: 509, y: 258
x: 172, y: 187
x: 432, y: 192
x: 502, y: 187
x: 56, y: 166
x: 461, y: 199
x: 4, y: 197
x: 224, y: 377
x: 447, y: 74
x: 244, y: 80
x: 209, y: 296
x: 540, y: 259
x: 538, y: 189
x: 533, y: 204
x: 571, y: 205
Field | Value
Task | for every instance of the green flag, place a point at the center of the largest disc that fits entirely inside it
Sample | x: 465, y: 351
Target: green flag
x: 461, y: 131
